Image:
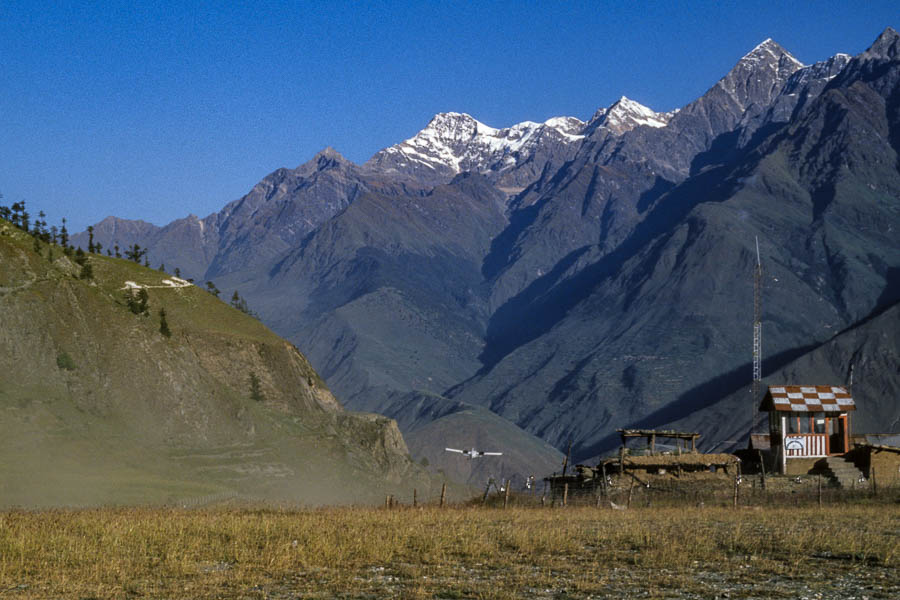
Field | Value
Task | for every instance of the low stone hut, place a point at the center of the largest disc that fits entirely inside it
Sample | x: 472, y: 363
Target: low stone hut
x: 662, y: 464
x: 878, y: 456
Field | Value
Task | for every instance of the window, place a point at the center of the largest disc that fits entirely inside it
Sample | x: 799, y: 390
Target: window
x: 805, y: 422
x: 818, y: 422
x: 792, y: 423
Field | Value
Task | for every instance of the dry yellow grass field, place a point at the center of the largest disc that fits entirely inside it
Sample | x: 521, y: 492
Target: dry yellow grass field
x: 698, y: 552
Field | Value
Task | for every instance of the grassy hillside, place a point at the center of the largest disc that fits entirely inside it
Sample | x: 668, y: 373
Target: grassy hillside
x: 100, y: 407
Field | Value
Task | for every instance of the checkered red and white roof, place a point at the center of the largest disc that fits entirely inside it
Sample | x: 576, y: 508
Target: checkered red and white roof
x: 808, y: 398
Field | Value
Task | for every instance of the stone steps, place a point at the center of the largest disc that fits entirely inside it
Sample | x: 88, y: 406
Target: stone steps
x: 842, y: 472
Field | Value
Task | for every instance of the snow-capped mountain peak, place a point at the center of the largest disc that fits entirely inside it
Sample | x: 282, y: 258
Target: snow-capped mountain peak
x: 566, y: 125
x: 453, y: 142
x: 769, y: 50
x: 628, y: 113
x: 758, y: 76
x: 624, y: 115
x: 450, y: 127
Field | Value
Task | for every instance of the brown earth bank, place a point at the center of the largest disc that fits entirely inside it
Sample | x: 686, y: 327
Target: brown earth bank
x: 847, y: 550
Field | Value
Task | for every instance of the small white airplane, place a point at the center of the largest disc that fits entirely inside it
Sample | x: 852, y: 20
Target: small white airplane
x: 473, y: 453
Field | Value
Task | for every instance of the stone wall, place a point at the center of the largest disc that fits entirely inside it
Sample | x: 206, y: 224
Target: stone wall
x: 887, y: 466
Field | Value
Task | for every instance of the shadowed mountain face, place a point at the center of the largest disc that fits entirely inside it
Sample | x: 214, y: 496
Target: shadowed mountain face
x: 616, y: 335
x: 871, y: 346
x: 573, y: 277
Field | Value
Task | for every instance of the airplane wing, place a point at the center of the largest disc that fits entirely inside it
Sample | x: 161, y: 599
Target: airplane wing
x: 454, y: 450
x: 491, y: 453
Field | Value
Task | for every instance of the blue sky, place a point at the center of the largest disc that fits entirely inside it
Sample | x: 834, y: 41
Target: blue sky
x: 154, y: 110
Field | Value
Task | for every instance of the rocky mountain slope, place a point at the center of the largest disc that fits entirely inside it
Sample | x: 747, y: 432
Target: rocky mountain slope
x: 573, y: 277
x: 669, y: 306
x: 100, y: 407
x: 871, y: 347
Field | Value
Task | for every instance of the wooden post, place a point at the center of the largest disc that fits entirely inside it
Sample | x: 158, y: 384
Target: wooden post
x: 391, y: 501
x: 443, y: 493
x: 780, y: 455
x: 565, y: 493
x: 415, y: 497
x: 598, y: 500
x: 630, y: 492
x: 736, y: 488
x: 603, y: 483
x: 820, y: 491
x: 874, y: 483
x: 487, y: 489
x: 506, y: 493
x: 387, y: 501
x: 693, y: 443
x: 622, y: 460
x: 762, y: 468
x: 652, y: 444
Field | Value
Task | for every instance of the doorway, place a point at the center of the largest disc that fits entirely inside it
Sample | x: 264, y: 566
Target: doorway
x: 836, y: 428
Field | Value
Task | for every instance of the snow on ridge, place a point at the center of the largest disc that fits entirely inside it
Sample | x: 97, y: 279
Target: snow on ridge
x: 768, y: 47
x: 639, y: 113
x: 625, y: 114
x: 567, y: 125
x: 459, y: 141
x: 818, y: 69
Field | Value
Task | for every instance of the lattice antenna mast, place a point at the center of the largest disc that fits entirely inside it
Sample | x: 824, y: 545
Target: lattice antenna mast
x: 757, y: 335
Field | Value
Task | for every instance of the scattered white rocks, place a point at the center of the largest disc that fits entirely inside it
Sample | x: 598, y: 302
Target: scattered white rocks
x: 170, y: 283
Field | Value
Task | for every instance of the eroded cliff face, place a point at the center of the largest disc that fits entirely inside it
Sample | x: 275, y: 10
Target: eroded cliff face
x: 88, y: 386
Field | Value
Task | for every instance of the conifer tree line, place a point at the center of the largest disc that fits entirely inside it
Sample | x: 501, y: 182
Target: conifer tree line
x: 138, y: 303
x: 18, y: 215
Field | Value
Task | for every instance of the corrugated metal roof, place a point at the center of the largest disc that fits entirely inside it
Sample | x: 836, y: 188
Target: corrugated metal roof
x: 760, y: 441
x: 807, y: 398
x: 883, y: 439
